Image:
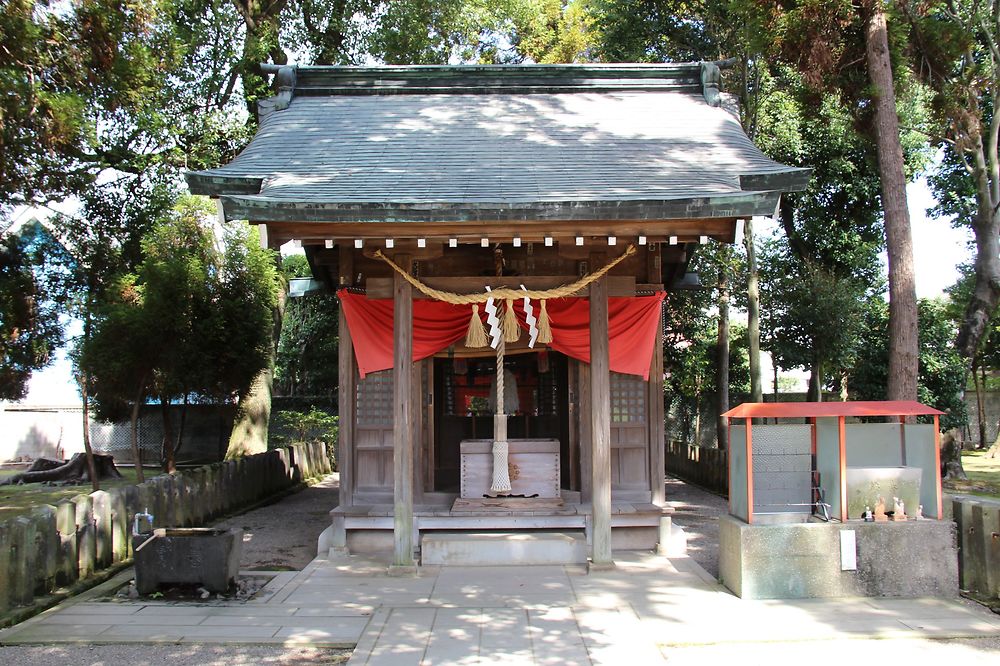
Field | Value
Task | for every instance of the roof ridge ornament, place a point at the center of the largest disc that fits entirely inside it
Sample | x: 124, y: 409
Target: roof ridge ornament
x: 284, y: 82
x: 711, y: 79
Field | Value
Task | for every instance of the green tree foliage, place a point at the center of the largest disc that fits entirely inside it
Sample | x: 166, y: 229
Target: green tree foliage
x: 955, y: 47
x: 312, y: 426
x: 194, y: 318
x: 667, y: 31
x: 691, y: 346
x: 942, y: 370
x: 817, y: 278
x: 306, y: 362
x: 30, y: 329
x: 813, y: 316
x: 92, y: 85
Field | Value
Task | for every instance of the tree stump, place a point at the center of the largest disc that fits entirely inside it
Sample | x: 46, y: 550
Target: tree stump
x: 72, y: 471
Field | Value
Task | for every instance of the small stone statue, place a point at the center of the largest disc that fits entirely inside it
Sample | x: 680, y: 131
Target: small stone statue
x: 898, y: 510
x: 868, y: 516
x: 880, y: 516
x: 920, y: 512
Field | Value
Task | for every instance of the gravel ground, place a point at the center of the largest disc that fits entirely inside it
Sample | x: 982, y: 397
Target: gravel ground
x: 698, y: 511
x: 283, y: 535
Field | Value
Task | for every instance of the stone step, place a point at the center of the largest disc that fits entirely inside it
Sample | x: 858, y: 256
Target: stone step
x: 503, y: 548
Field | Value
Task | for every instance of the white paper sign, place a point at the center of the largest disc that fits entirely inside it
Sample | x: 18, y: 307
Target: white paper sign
x: 848, y: 550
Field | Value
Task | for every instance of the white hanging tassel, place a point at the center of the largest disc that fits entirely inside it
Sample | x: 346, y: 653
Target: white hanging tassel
x: 501, y: 474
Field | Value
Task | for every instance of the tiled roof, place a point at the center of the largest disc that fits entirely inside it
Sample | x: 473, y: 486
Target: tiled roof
x: 506, y: 150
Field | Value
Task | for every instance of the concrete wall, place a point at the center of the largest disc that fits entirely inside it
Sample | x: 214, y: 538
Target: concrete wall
x: 37, y: 432
x: 54, y: 546
x: 905, y: 559
x: 30, y: 432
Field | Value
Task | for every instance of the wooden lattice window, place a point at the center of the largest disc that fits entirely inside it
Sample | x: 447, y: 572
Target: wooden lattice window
x: 374, y: 402
x: 628, y: 399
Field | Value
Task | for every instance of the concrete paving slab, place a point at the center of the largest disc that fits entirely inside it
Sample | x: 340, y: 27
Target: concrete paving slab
x: 141, y: 632
x: 958, y: 626
x: 555, y: 637
x: 508, y: 615
x: 150, y: 619
x: 107, y: 608
x: 345, y: 630
x: 413, y: 626
x: 371, y: 635
x: 250, y: 633
x: 50, y: 633
x: 255, y: 611
x: 454, y: 637
x: 505, y: 638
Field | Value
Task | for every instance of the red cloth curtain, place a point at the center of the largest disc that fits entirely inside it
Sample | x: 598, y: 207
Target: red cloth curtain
x: 632, y: 323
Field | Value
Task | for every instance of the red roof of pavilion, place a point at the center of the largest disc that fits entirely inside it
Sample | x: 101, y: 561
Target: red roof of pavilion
x: 812, y: 409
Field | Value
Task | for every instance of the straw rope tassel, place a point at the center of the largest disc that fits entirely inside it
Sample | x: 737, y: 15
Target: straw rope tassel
x: 501, y: 473
x: 476, y: 337
x: 511, y: 331
x: 544, y: 327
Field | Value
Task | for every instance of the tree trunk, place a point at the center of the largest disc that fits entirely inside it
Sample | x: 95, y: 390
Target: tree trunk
x: 980, y: 406
x: 722, y: 357
x: 816, y: 383
x: 180, y: 429
x: 253, y: 413
x: 94, y: 480
x: 134, y: 432
x: 260, y: 44
x: 697, y: 414
x: 994, y: 450
x: 774, y: 369
x: 903, y: 351
x: 753, y: 314
x: 169, y: 465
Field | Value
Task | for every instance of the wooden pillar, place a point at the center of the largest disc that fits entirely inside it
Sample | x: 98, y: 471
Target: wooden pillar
x: 937, y: 465
x: 654, y: 414
x: 402, y: 424
x: 842, y: 436
x: 346, y: 390
x: 600, y: 419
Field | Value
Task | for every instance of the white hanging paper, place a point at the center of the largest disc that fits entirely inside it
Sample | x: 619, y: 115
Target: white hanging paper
x: 494, y: 322
x: 531, y: 320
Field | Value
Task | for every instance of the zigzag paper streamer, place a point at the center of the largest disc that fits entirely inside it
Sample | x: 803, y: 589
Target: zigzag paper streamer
x: 529, y: 318
x: 491, y: 318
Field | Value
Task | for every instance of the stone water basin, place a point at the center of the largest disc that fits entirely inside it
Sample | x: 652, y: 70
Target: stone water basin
x: 187, y: 556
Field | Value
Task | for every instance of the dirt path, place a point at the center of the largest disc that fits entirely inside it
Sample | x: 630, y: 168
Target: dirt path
x: 283, y: 535
x: 698, y: 511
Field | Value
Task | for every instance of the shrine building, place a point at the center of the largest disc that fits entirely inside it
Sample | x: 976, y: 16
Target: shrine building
x: 501, y: 239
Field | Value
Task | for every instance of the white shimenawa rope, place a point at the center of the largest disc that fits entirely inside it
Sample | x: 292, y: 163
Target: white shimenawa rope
x: 501, y: 474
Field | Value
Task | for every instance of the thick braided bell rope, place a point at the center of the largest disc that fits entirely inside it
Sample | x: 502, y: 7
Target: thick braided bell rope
x: 501, y: 473
x: 507, y: 292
